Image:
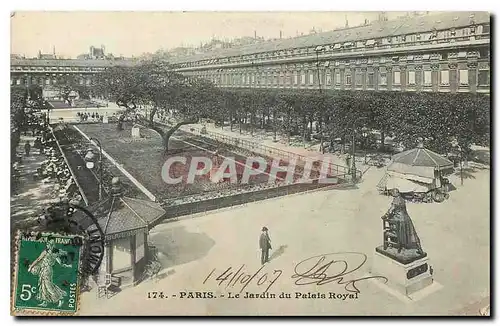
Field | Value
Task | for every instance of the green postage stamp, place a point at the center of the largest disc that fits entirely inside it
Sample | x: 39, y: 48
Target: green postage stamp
x: 46, y: 279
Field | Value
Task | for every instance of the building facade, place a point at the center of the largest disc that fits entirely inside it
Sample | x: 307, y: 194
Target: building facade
x: 25, y: 72
x: 445, y: 52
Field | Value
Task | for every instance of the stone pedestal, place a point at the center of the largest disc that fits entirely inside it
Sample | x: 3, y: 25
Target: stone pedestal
x: 406, y: 278
x: 136, y: 132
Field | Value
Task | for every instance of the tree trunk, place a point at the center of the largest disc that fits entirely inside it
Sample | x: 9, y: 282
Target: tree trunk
x: 231, y: 118
x: 304, y: 129
x: 274, y: 125
x: 152, y: 115
x: 311, y: 125
x: 382, y: 140
x: 252, y: 122
x: 240, y: 122
x: 166, y: 135
x: 289, y: 128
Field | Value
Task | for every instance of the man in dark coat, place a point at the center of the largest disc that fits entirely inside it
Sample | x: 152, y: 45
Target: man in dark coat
x: 265, y: 245
x: 27, y: 148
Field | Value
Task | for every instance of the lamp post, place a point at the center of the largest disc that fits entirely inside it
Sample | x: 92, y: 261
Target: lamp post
x: 90, y: 159
x: 319, y: 49
x: 459, y: 149
x: 47, y: 104
x: 353, y: 171
x: 365, y: 138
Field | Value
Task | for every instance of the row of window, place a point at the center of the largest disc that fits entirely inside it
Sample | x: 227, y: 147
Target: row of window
x: 347, y: 76
x: 46, y: 68
x: 435, y: 35
x: 46, y: 81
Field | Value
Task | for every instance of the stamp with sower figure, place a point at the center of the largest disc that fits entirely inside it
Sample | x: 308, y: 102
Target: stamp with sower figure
x: 47, y: 278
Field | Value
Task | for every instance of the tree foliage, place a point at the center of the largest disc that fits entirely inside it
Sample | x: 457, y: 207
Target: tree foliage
x: 436, y: 117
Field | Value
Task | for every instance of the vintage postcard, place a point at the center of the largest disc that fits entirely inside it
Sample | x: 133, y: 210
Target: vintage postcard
x: 250, y: 163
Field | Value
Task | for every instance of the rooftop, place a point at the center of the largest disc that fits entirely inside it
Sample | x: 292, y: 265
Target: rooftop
x: 71, y: 62
x: 377, y: 29
x: 119, y: 215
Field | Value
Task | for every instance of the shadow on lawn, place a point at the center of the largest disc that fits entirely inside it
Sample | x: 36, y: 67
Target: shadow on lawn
x: 176, y: 246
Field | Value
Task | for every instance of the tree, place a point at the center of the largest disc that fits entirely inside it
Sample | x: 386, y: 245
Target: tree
x: 65, y: 85
x: 154, y: 83
x: 17, y: 117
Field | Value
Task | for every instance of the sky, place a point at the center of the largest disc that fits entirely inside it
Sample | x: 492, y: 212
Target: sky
x: 134, y: 33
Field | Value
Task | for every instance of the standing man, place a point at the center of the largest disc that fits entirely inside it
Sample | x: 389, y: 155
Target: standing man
x: 348, y: 162
x: 27, y: 148
x: 265, y: 245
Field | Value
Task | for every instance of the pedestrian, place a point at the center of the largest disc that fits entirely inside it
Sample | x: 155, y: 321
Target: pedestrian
x: 27, y: 148
x: 265, y: 245
x: 38, y: 144
x: 348, y: 162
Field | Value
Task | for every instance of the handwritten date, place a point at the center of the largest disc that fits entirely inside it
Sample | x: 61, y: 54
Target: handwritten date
x: 231, y: 278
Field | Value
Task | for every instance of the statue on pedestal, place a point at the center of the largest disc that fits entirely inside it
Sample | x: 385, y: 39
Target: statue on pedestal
x: 401, y: 241
x: 401, y: 259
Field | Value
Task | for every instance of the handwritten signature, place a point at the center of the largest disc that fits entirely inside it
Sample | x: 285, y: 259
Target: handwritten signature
x: 332, y: 267
x: 320, y: 270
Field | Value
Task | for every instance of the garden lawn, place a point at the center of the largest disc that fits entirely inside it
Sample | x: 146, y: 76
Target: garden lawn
x: 144, y: 158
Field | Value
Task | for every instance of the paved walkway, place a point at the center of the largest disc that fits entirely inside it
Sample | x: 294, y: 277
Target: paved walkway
x: 30, y: 195
x: 307, y: 225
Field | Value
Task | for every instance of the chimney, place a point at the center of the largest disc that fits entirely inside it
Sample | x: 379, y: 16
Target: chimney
x: 255, y: 34
x: 281, y: 35
x: 346, y: 22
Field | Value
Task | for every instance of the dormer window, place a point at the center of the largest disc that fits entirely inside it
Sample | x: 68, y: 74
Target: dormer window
x: 433, y: 34
x: 370, y: 42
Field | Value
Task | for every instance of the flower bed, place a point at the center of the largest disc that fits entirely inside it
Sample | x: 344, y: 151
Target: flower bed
x: 144, y: 158
x: 74, y: 147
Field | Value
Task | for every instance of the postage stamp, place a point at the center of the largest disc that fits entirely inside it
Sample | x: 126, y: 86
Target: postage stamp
x: 46, y: 278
